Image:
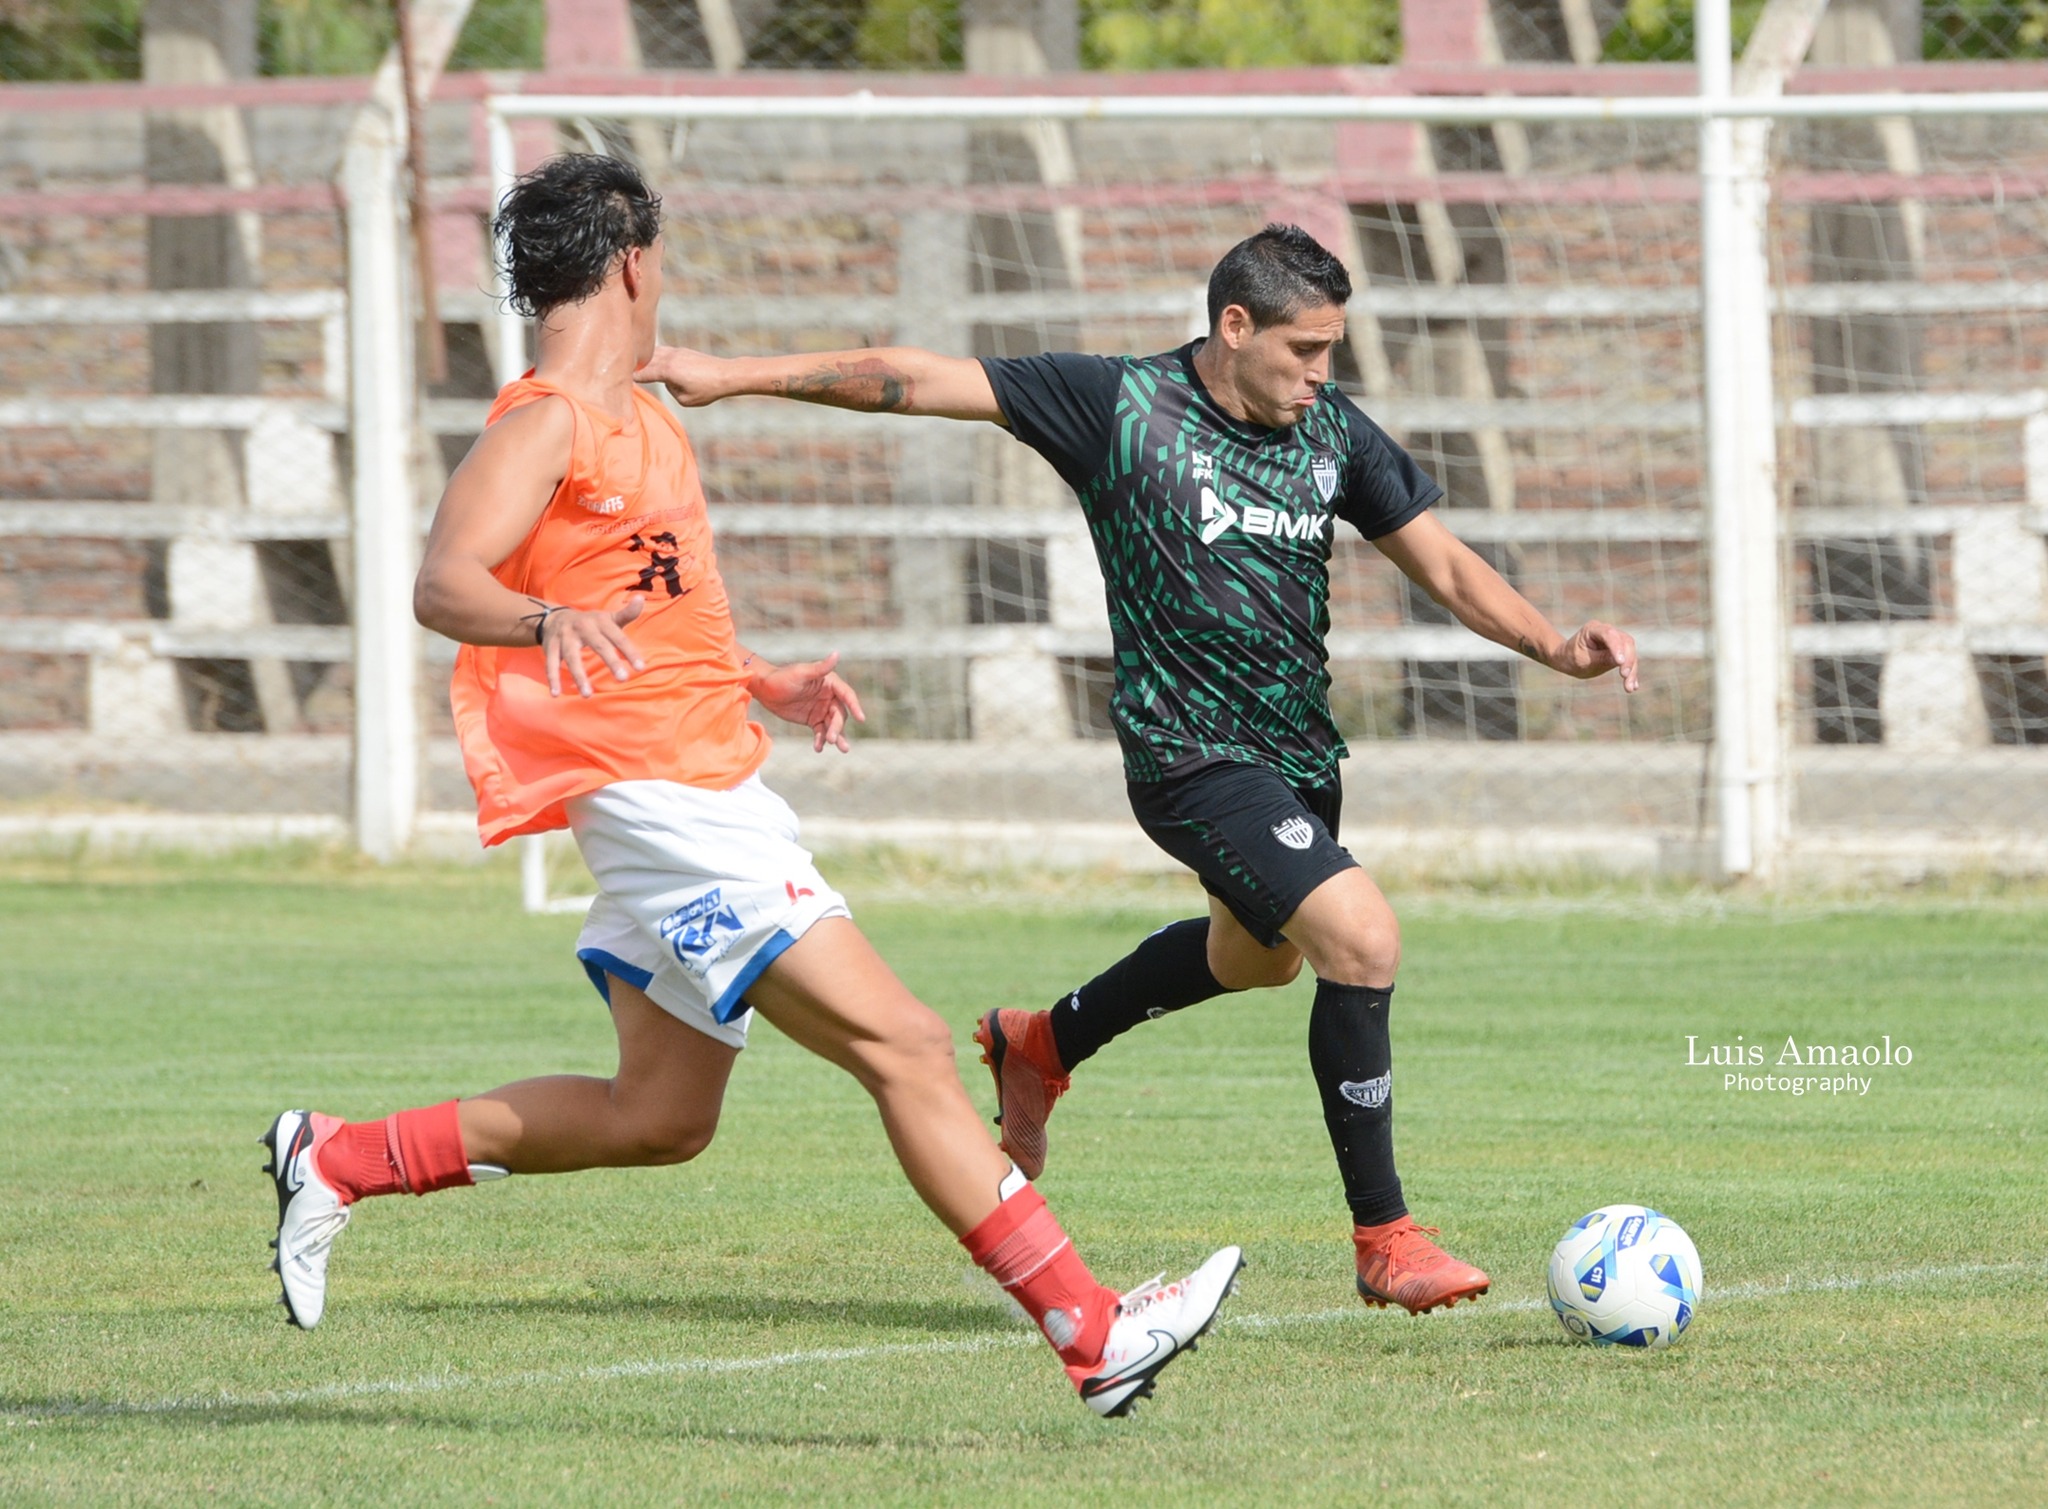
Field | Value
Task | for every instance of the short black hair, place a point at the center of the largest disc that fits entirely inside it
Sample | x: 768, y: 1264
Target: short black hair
x: 1275, y: 275
x: 560, y: 228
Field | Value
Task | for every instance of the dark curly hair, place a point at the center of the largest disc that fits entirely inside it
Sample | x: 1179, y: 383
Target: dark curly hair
x: 560, y: 228
x: 1275, y: 275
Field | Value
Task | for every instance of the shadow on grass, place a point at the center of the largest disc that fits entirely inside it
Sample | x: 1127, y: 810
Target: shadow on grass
x: 835, y: 1315
x: 420, y: 1417
x: 787, y: 1332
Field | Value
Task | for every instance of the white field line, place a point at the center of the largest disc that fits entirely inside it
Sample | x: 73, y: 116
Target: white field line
x: 439, y: 1383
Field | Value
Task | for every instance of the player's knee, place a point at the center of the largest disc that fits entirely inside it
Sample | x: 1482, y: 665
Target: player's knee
x: 675, y: 1139
x: 1282, y: 967
x: 1369, y: 952
x: 1258, y: 970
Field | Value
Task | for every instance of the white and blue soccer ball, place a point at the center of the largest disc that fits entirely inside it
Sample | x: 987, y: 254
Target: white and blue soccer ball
x: 1625, y: 1276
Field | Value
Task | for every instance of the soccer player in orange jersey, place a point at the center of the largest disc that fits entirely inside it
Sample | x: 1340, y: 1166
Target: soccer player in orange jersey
x: 601, y: 688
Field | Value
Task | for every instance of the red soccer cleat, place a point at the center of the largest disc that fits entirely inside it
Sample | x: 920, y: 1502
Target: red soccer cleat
x: 1398, y: 1264
x: 1018, y: 1048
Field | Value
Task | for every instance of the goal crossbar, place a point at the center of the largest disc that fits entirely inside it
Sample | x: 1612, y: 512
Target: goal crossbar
x: 865, y: 105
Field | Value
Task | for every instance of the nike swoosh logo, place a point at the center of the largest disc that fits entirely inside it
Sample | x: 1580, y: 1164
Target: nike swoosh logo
x: 288, y: 1167
x: 1163, y: 1348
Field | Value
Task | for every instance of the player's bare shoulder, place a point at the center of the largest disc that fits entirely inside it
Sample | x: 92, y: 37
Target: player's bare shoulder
x: 503, y: 484
x: 532, y: 441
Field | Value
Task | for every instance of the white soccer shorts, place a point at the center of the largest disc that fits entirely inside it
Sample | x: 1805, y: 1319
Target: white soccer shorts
x: 698, y: 893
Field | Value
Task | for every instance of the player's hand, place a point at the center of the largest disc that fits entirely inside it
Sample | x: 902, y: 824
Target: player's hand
x: 691, y: 377
x: 810, y: 694
x: 1597, y: 649
x: 569, y: 634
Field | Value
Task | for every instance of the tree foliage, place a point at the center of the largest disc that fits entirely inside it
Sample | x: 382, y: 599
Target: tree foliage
x: 102, y: 39
x: 70, y: 39
x: 1137, y: 34
x: 1652, y: 30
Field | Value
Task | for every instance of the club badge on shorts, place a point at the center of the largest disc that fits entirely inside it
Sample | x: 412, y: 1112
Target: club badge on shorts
x: 1295, y: 833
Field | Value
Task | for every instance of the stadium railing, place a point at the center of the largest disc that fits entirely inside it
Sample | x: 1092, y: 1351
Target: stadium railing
x: 1891, y: 608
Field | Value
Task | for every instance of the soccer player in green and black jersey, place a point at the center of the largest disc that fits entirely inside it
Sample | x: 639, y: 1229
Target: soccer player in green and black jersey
x: 1213, y: 478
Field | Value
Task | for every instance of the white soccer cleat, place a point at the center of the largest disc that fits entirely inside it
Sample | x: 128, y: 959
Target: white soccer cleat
x: 310, y: 1215
x: 1155, y: 1323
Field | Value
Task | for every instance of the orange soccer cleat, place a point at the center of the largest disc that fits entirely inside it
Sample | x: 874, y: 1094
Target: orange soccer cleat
x: 1398, y: 1264
x: 1018, y: 1048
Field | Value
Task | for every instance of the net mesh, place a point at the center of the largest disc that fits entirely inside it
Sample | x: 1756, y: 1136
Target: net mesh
x: 176, y: 589
x: 1527, y: 325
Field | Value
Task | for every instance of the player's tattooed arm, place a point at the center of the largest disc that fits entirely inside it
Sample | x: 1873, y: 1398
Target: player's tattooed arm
x: 884, y: 380
x: 869, y: 383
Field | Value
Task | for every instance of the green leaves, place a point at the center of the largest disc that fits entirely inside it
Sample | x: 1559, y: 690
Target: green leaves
x: 1141, y: 34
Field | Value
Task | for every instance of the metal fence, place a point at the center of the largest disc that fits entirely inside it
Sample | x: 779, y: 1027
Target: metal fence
x: 1856, y: 585
x: 103, y: 39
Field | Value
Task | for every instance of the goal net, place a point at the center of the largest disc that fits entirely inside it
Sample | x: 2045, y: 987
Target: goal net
x: 1526, y: 321
x: 184, y: 614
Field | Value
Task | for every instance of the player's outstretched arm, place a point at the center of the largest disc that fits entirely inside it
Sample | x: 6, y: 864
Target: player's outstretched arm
x: 490, y: 506
x: 806, y: 692
x: 1455, y: 575
x: 883, y: 380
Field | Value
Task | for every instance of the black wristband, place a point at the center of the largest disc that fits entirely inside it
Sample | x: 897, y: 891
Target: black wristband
x: 540, y: 622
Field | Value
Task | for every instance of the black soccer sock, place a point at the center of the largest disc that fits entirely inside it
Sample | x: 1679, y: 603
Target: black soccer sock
x: 1167, y: 971
x: 1352, y: 1055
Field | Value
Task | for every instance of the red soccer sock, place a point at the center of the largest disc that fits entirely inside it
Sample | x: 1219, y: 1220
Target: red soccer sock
x: 1022, y: 1247
x: 414, y: 1152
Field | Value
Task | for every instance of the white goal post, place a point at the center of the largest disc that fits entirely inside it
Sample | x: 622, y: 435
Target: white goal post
x: 1755, y: 629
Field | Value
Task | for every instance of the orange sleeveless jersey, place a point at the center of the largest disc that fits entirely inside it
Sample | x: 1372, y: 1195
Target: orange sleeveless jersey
x: 628, y: 518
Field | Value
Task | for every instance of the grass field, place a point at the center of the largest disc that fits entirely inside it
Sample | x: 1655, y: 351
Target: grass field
x: 780, y: 1321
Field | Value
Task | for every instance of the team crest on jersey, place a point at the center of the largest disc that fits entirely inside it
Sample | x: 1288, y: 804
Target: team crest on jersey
x: 1324, y: 470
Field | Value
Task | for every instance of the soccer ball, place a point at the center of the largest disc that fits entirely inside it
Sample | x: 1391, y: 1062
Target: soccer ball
x: 1625, y: 1276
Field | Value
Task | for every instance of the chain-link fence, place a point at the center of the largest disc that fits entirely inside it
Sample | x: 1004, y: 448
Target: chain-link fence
x: 176, y: 463
x: 172, y: 457
x: 102, y: 39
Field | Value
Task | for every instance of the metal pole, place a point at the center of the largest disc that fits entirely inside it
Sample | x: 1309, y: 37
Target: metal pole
x: 509, y: 365
x: 510, y: 357
x: 1712, y: 50
x: 385, y: 518
x: 1741, y: 457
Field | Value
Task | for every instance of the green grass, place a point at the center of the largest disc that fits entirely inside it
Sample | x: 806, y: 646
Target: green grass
x: 780, y: 1321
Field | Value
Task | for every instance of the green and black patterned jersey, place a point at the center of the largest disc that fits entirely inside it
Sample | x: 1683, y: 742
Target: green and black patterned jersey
x: 1214, y: 537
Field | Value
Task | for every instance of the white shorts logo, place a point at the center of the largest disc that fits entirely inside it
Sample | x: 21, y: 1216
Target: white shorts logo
x: 1295, y: 833
x: 701, y: 931
x: 1370, y: 1093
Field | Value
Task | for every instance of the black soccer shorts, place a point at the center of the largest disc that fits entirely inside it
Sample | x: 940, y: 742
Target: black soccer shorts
x: 1257, y: 843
